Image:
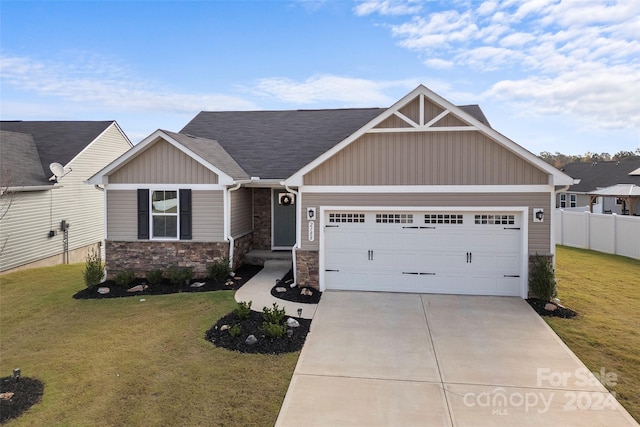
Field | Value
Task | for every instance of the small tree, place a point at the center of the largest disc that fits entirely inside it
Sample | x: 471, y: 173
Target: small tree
x: 542, y: 281
x: 93, y: 269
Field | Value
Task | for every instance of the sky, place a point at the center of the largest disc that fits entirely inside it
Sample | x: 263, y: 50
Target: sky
x: 557, y: 76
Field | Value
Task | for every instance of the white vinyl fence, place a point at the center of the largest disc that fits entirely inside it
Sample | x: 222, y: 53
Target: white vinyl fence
x: 612, y: 234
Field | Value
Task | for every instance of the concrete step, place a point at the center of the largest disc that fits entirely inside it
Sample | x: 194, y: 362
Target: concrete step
x: 260, y: 256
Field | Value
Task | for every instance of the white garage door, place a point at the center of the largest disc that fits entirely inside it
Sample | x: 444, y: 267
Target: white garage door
x: 476, y: 253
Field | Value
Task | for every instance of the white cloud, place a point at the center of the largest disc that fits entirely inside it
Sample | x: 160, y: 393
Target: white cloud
x: 573, y: 58
x: 387, y: 7
x: 331, y: 89
x: 94, y: 81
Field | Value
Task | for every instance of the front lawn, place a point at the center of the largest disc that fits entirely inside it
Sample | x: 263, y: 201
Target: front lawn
x: 125, y: 361
x: 605, y: 291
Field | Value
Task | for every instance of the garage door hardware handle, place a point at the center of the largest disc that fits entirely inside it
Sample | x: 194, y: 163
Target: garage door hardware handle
x: 418, y: 274
x: 469, y: 257
x: 511, y: 275
x: 370, y: 255
x: 331, y: 226
x: 428, y: 228
x: 333, y: 270
x: 414, y: 227
x: 427, y: 274
x: 512, y: 228
x: 408, y: 272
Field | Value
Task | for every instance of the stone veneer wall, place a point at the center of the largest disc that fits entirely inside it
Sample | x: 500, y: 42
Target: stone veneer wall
x: 241, y: 246
x: 532, y: 261
x: 262, y: 218
x: 143, y: 256
x: 307, y: 263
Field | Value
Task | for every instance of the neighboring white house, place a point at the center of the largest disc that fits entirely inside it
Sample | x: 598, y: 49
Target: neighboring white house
x: 34, y: 203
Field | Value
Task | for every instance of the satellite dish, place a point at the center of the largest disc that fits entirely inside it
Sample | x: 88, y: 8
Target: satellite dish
x: 57, y: 169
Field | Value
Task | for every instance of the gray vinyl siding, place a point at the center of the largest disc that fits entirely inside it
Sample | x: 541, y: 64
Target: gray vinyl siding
x: 162, y: 163
x: 207, y: 215
x: 426, y: 158
x: 539, y: 233
x: 241, y: 211
x: 33, y: 214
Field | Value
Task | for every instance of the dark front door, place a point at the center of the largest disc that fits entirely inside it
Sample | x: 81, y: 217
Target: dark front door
x: 284, y: 221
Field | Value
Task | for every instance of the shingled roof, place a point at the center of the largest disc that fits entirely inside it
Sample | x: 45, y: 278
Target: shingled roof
x: 276, y: 144
x: 57, y: 141
x: 602, y: 174
x: 21, y: 165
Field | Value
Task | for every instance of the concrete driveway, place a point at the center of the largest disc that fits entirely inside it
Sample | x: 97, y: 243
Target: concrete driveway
x: 383, y: 359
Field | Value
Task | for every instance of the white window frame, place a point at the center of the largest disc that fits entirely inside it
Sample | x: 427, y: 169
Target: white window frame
x: 573, y: 200
x: 563, y: 200
x: 153, y: 214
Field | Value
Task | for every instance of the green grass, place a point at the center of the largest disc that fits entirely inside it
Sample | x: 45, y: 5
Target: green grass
x: 605, y: 291
x: 125, y: 362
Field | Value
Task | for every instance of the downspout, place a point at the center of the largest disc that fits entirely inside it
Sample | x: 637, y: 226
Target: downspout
x: 227, y: 214
x: 298, y: 234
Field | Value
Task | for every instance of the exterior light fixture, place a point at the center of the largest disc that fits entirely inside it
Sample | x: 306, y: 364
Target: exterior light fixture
x: 16, y: 374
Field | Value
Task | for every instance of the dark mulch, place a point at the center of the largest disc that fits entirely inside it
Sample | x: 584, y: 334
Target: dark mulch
x: 538, y: 306
x: 294, y: 294
x: 27, y: 392
x: 253, y: 326
x: 242, y: 275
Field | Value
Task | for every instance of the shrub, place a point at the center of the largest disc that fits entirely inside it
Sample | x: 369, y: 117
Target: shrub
x: 180, y: 275
x: 273, y: 330
x: 125, y: 277
x: 243, y: 310
x: 155, y: 276
x: 542, y: 281
x: 219, y: 270
x: 235, y: 330
x: 93, y: 269
x: 273, y: 315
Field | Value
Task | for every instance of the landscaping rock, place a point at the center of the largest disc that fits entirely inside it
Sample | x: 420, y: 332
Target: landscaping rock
x: 6, y: 396
x: 251, y: 340
x: 292, y: 323
x: 229, y: 283
x: 556, y: 301
x: 103, y: 290
x: 306, y: 292
x: 137, y: 288
x: 224, y: 327
x: 280, y: 289
x: 550, y: 307
x: 197, y: 284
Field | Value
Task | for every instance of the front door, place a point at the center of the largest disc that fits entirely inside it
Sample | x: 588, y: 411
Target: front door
x: 284, y: 220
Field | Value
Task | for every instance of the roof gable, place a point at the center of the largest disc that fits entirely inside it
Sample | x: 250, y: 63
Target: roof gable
x: 424, y: 111
x: 203, y: 151
x: 58, y: 141
x: 595, y: 175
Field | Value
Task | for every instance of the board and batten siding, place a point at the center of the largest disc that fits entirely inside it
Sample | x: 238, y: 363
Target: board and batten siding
x: 539, y: 232
x: 162, y: 163
x: 425, y: 158
x: 33, y: 214
x: 207, y: 215
x: 241, y: 212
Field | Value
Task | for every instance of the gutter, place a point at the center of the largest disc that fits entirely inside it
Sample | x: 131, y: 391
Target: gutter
x: 295, y: 247
x: 227, y: 216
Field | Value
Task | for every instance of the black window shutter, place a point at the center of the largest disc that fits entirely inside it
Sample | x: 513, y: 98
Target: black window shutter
x: 185, y: 214
x: 143, y: 214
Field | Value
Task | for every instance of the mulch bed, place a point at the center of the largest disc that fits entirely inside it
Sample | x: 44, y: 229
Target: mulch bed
x: 26, y: 393
x: 294, y: 294
x: 253, y: 326
x: 242, y: 275
x: 563, y: 312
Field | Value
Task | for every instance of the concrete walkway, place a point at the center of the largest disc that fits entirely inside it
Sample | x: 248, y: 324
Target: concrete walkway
x: 258, y: 291
x: 381, y: 359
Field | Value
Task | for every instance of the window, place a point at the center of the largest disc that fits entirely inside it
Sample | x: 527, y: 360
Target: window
x: 394, y: 218
x: 164, y: 214
x: 443, y: 219
x: 618, y: 201
x: 346, y: 217
x: 573, y: 199
x: 563, y: 200
x: 495, y: 219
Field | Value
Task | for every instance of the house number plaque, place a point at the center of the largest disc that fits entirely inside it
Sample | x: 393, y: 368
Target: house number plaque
x: 311, y: 231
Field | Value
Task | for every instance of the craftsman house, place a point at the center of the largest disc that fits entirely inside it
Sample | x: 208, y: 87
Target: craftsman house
x: 48, y: 215
x: 423, y: 196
